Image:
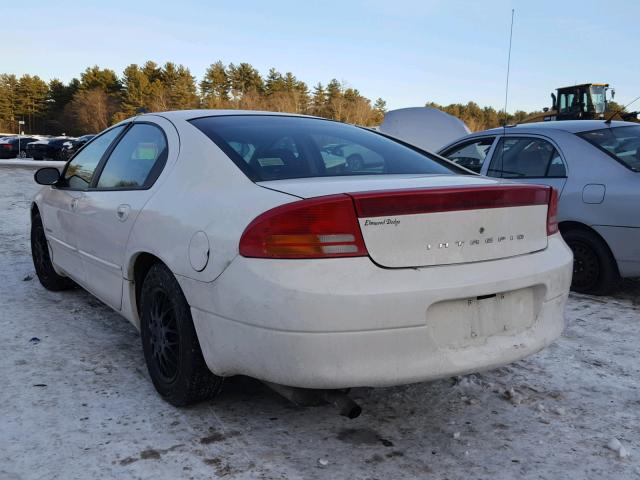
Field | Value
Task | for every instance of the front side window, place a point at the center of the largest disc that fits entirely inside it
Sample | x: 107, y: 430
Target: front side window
x: 621, y: 143
x: 525, y: 157
x: 79, y: 171
x: 132, y: 162
x: 471, y: 154
x: 270, y: 147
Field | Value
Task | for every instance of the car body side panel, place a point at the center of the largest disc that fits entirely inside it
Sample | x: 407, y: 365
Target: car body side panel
x: 624, y: 243
x: 203, y: 192
x: 57, y: 211
x: 103, y: 239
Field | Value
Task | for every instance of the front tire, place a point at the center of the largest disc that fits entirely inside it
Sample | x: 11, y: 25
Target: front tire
x: 170, y: 344
x: 42, y: 260
x: 594, y: 268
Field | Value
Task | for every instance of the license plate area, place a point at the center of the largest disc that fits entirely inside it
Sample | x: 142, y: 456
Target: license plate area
x: 461, y: 322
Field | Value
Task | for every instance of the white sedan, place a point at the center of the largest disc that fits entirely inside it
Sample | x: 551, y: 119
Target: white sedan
x: 226, y: 239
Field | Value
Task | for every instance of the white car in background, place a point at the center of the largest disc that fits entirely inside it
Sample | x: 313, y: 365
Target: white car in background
x: 226, y: 238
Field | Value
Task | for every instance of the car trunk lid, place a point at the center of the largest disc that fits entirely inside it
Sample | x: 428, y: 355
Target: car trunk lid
x: 458, y: 220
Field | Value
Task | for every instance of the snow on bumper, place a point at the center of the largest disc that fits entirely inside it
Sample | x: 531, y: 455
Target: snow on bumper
x: 346, y: 322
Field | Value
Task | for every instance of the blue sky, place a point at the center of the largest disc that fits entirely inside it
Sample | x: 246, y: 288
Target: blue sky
x: 407, y: 52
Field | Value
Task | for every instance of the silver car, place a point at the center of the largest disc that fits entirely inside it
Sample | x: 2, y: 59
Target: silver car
x: 595, y: 166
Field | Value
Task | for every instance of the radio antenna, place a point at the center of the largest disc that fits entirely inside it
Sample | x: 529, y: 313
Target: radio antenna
x: 620, y: 110
x: 506, y: 97
x: 506, y: 90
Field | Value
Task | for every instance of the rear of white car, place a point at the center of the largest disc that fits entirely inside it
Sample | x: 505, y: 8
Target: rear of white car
x: 385, y: 287
x: 233, y: 239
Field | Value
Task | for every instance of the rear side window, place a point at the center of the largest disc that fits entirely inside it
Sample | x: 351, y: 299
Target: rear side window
x: 79, y: 171
x: 269, y: 147
x: 471, y: 154
x: 621, y: 143
x: 137, y: 157
x: 526, y: 157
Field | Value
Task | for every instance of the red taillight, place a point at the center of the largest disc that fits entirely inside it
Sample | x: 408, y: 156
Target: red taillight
x: 322, y: 227
x: 447, y: 199
x: 6, y: 146
x: 552, y: 212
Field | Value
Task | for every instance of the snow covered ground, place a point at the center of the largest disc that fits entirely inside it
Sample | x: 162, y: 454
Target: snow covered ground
x: 76, y: 401
x: 31, y: 163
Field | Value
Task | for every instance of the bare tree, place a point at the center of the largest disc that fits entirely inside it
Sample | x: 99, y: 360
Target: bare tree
x: 92, y: 110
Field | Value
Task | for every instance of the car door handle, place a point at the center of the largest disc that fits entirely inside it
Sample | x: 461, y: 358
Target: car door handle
x: 123, y: 212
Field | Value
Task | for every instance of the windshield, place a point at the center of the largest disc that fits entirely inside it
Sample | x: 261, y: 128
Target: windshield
x: 598, y: 98
x: 622, y: 143
x: 271, y: 147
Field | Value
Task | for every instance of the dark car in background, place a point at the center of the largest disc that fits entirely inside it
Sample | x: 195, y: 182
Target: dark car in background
x: 52, y: 148
x: 74, y: 145
x: 15, y: 147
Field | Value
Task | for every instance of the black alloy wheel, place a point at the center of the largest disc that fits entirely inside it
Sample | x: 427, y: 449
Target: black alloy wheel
x: 171, y: 349
x: 594, y: 269
x: 47, y: 275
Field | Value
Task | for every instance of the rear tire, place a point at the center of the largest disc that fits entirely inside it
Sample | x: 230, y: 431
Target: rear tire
x: 42, y: 260
x: 170, y: 344
x: 594, y: 268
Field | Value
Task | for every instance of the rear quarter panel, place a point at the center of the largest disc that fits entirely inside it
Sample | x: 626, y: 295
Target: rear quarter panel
x: 202, y: 192
x: 589, y: 166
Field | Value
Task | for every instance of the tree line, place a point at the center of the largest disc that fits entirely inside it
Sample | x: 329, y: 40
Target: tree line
x: 481, y: 118
x: 100, y: 97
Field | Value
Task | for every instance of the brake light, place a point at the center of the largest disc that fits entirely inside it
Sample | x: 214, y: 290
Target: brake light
x: 552, y: 212
x: 6, y: 146
x: 323, y: 227
x: 447, y: 199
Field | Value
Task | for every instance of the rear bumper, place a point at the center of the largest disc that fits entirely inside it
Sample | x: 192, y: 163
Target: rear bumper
x: 346, y: 323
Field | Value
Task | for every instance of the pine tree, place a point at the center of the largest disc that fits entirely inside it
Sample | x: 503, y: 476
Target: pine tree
x: 8, y: 92
x: 59, y: 97
x: 135, y: 90
x: 244, y: 78
x: 182, y: 92
x: 31, y: 102
x: 274, y: 83
x: 319, y: 100
x: 379, y: 109
x: 335, y: 100
x: 152, y: 71
x: 214, y: 87
x: 105, y: 79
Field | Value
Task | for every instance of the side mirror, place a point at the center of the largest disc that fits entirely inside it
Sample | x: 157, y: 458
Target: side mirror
x: 47, y: 176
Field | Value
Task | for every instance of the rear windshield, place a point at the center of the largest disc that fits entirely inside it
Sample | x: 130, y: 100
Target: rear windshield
x: 622, y: 143
x: 270, y: 147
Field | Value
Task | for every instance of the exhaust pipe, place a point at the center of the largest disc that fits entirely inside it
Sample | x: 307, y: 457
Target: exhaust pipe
x: 307, y: 397
x: 346, y: 406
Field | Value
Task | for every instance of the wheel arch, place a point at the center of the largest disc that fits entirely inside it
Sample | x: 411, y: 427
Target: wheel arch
x: 34, y: 211
x: 139, y: 266
x: 573, y: 225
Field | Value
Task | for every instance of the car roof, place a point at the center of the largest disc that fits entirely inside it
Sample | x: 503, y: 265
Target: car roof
x: 571, y: 126
x: 191, y: 114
